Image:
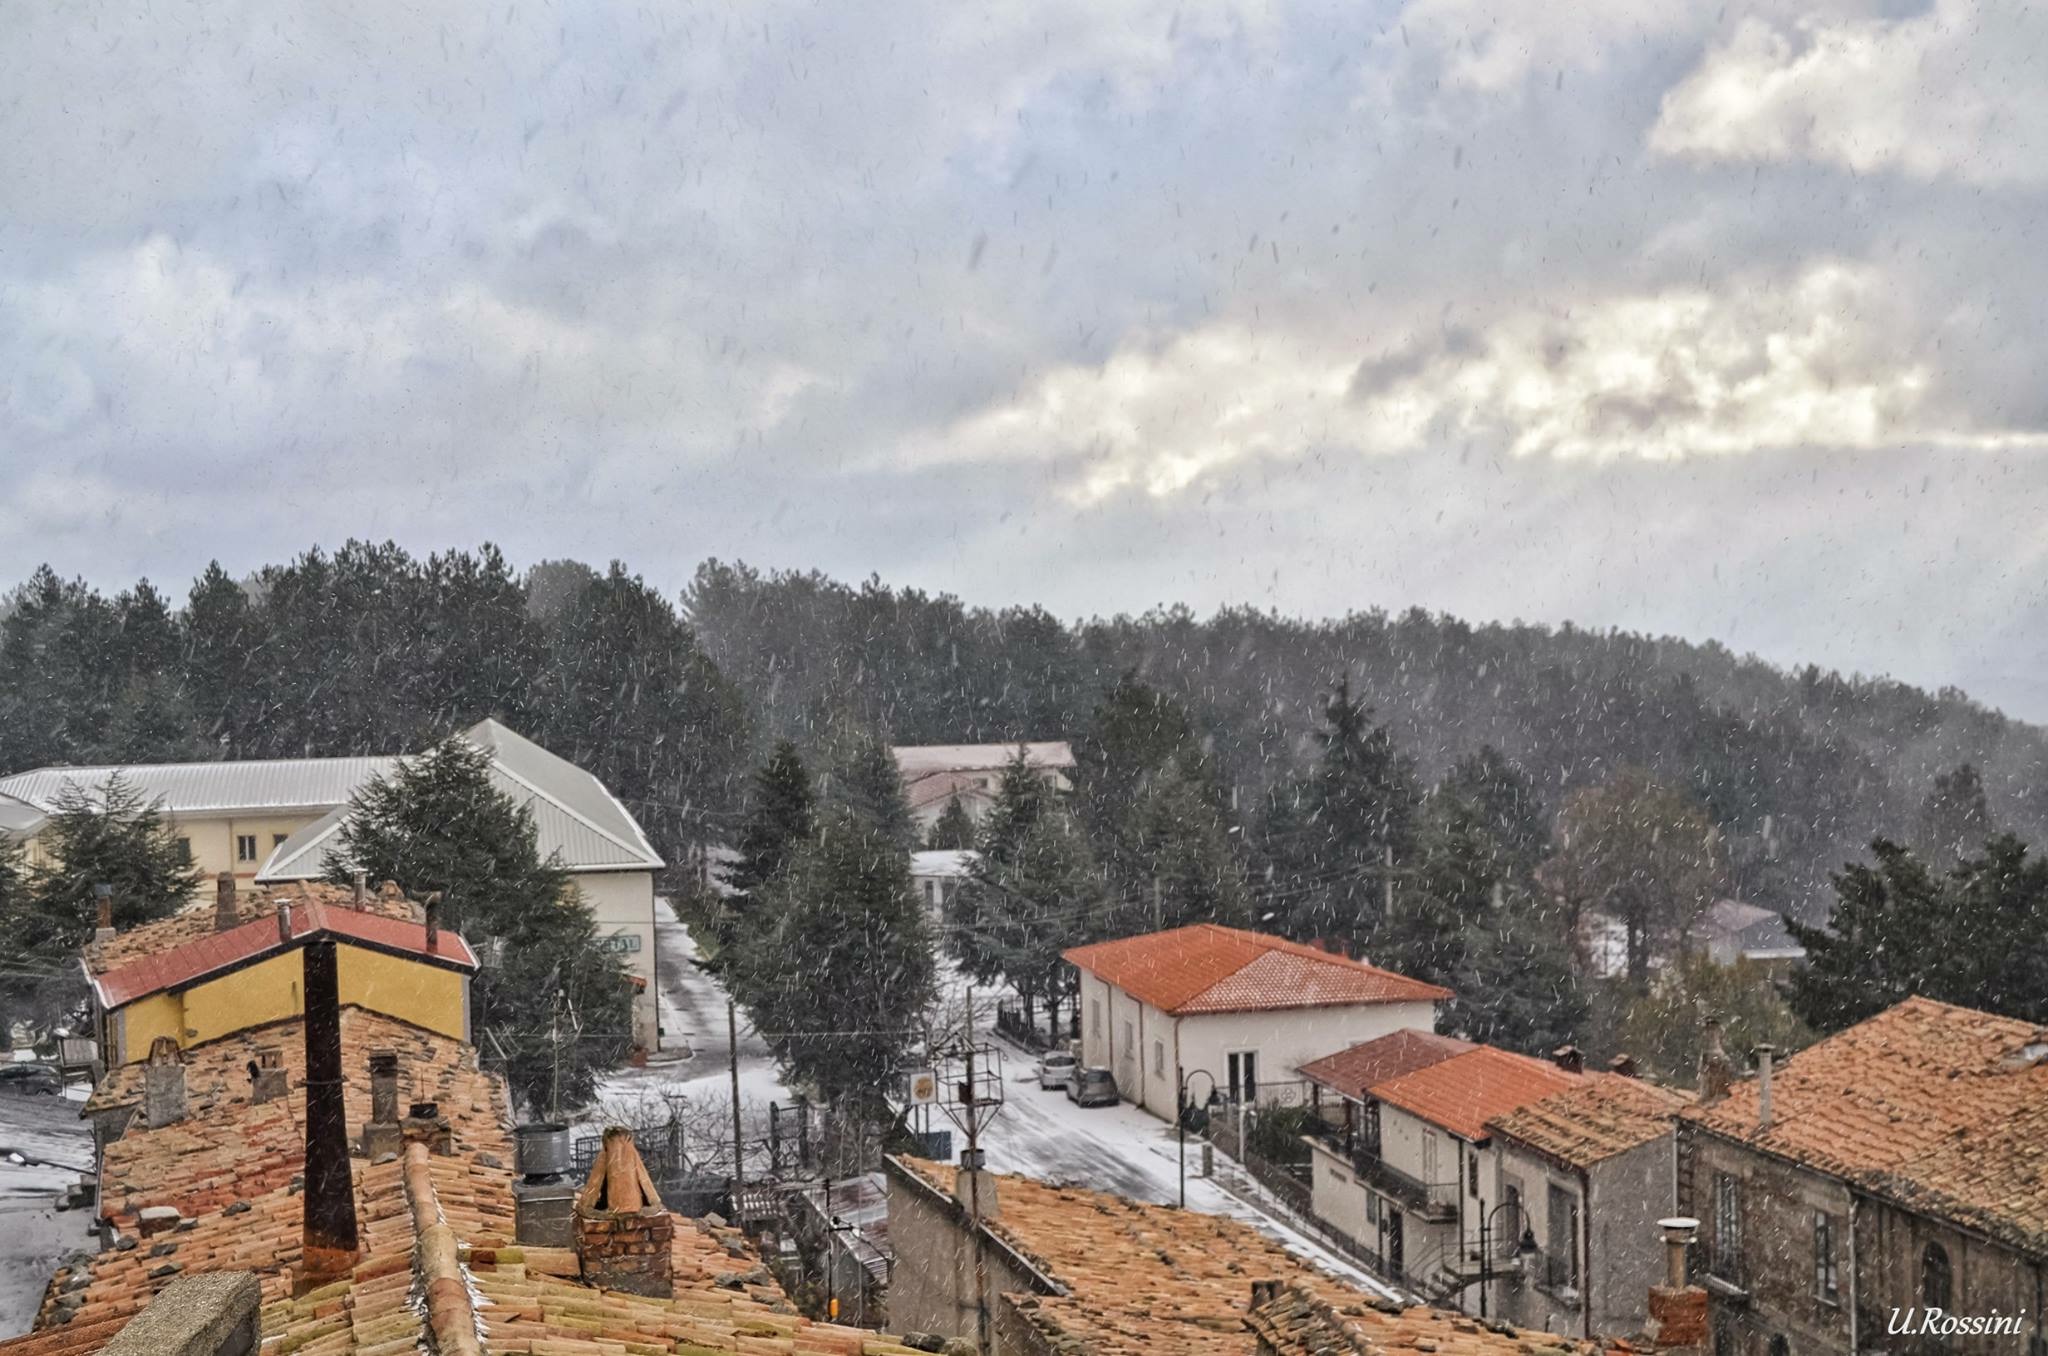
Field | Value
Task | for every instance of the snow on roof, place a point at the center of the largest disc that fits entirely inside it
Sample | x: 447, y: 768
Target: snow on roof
x: 943, y: 862
x: 575, y: 818
x: 18, y: 818
x: 916, y: 760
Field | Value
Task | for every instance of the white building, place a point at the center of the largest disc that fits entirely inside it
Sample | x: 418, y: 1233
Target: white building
x: 1239, y: 1010
x: 935, y: 774
x: 938, y: 875
x: 1405, y: 1165
x: 577, y: 821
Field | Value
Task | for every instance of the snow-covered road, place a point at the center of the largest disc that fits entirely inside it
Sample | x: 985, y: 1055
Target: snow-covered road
x: 43, y: 1148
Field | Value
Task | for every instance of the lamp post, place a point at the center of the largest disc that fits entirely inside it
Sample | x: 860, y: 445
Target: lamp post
x: 1180, y: 1123
x: 1525, y: 1247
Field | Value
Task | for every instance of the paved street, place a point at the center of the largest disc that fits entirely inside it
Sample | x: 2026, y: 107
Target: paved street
x: 43, y: 1147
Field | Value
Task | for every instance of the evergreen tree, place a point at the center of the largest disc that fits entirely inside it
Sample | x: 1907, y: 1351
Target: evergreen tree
x: 1358, y: 827
x: 1496, y: 793
x: 1955, y: 820
x: 864, y: 780
x: 1515, y: 979
x: 39, y: 978
x: 553, y: 1011
x: 953, y: 830
x: 779, y: 820
x: 839, y: 967
x: 108, y: 835
x: 974, y: 915
x: 1135, y: 732
x: 222, y: 678
x: 1189, y: 871
x: 1031, y: 905
x: 1977, y: 937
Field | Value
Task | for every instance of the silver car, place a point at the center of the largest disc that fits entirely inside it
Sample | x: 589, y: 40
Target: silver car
x: 1092, y: 1087
x: 1055, y: 1069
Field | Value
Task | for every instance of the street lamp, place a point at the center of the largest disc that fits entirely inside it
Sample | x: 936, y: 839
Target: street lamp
x: 1525, y: 1247
x: 1180, y: 1123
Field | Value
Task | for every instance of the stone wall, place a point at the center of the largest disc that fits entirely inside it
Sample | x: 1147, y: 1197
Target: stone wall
x: 931, y: 1286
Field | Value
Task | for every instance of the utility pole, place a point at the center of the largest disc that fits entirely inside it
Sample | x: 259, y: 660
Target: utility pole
x: 1387, y: 883
x: 555, y: 1060
x: 971, y: 1103
x: 732, y: 1045
x: 1158, y: 906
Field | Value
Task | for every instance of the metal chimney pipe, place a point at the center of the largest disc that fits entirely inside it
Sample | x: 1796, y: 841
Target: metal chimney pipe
x: 1764, y: 1056
x: 284, y: 934
x: 330, y: 1241
x: 359, y: 888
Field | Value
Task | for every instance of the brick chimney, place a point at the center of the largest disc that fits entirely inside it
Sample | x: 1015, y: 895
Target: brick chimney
x: 382, y: 1134
x: 1717, y: 1071
x: 1569, y: 1058
x: 163, y: 1084
x: 1765, y: 1055
x: 623, y: 1231
x: 225, y: 915
x: 330, y: 1244
x: 267, y: 1080
x: 103, y: 900
x: 1678, y: 1312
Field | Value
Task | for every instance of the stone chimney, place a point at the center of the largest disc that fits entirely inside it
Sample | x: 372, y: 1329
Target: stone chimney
x: 1717, y: 1071
x: 1569, y: 1058
x: 225, y: 915
x: 1625, y: 1065
x: 382, y: 1134
x: 432, y: 908
x: 974, y: 1186
x: 623, y: 1232
x: 210, y: 1314
x: 1765, y: 1054
x: 330, y: 1244
x: 103, y: 900
x: 267, y: 1080
x: 1678, y: 1311
x: 163, y: 1084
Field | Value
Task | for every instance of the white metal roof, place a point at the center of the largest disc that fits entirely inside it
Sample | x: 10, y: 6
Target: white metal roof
x: 283, y: 784
x: 575, y: 818
x: 915, y: 760
x: 943, y: 862
x: 18, y: 818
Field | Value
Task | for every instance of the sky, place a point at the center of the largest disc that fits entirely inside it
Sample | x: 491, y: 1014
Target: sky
x: 1717, y: 321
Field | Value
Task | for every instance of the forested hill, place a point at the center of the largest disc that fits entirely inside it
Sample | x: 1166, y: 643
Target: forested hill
x: 1800, y: 768
x: 370, y: 649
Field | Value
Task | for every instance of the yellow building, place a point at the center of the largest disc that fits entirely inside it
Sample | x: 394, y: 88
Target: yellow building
x: 246, y: 974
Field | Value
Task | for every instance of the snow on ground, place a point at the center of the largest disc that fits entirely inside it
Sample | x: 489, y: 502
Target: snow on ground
x: 43, y: 1149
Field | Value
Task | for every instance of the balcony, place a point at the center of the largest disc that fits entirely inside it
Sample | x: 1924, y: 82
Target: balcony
x: 1432, y: 1202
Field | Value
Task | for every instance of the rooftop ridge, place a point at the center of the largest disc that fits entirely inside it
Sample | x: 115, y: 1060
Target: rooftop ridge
x: 451, y: 1309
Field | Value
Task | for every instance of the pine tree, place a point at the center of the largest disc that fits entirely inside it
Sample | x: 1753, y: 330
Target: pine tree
x: 1189, y: 871
x: 779, y: 820
x: 1955, y: 819
x: 838, y: 968
x: 864, y: 780
x: 222, y: 678
x: 953, y: 830
x: 975, y: 912
x: 108, y: 836
x: 1515, y: 980
x: 1135, y: 732
x: 1361, y: 803
x: 38, y: 973
x: 1040, y: 898
x: 553, y: 1010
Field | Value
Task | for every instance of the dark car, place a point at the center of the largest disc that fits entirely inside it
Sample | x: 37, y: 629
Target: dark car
x: 1092, y: 1087
x: 27, y: 1079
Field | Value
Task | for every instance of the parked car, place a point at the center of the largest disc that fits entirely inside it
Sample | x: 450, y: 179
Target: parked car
x: 26, y: 1079
x: 1055, y: 1069
x: 1092, y: 1087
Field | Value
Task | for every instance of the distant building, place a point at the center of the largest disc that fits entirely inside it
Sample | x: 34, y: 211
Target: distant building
x: 938, y: 875
x: 1242, y: 1009
x: 1733, y: 931
x: 1897, y: 1167
x: 934, y: 774
x: 276, y: 821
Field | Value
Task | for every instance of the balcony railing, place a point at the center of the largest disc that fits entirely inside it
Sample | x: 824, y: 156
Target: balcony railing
x: 1431, y: 1201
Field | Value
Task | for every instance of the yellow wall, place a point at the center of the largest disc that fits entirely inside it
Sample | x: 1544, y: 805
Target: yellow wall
x: 213, y: 840
x: 272, y: 990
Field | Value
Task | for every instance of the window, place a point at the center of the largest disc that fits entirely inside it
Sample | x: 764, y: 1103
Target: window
x: 1727, y: 1258
x: 1095, y: 1016
x: 245, y: 847
x: 1826, y: 1280
x: 1159, y: 1058
x: 1937, y: 1280
x: 1429, y: 1177
x: 1472, y: 1174
x: 184, y: 852
x: 1561, y: 1243
x: 929, y: 894
x: 1130, y: 1041
x: 1244, y: 1075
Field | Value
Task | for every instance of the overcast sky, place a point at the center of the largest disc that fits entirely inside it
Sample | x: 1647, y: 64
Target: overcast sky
x: 1717, y: 321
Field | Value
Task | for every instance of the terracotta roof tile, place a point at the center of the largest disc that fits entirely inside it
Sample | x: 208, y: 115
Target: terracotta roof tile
x: 1150, y: 1280
x: 1210, y: 968
x: 1348, y: 1073
x: 1600, y: 1117
x: 1464, y: 1092
x: 1941, y: 1108
x: 196, y: 919
x: 189, y: 962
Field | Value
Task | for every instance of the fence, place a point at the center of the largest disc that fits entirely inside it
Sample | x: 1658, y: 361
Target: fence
x: 1253, y: 1148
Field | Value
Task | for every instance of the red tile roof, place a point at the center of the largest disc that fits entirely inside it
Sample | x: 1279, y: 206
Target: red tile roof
x: 196, y: 919
x: 192, y: 961
x: 1600, y: 1117
x: 1349, y: 1073
x: 1211, y: 968
x: 1940, y: 1108
x: 1464, y: 1092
